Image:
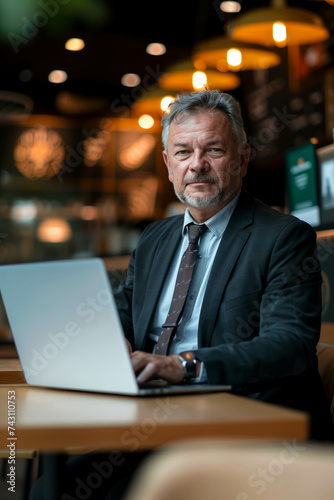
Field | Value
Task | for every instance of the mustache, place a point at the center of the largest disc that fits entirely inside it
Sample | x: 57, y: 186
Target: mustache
x: 199, y: 178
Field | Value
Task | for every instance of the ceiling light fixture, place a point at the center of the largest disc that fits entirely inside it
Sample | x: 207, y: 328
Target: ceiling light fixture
x: 165, y: 102
x: 146, y: 121
x: 230, y: 7
x: 225, y: 54
x: 301, y: 26
x: 74, y: 44
x: 179, y: 77
x: 156, y: 49
x: 130, y: 80
x: 155, y: 102
x: 39, y: 153
x: 57, y: 76
x: 54, y: 230
x: 199, y: 80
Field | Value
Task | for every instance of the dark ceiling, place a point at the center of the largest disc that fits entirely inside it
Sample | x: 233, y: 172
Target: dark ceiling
x: 116, y: 33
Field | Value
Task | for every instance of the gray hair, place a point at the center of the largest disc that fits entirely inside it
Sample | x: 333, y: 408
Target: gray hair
x: 188, y: 104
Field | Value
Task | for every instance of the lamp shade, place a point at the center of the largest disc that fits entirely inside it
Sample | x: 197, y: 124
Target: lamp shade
x: 256, y: 26
x: 150, y: 103
x: 179, y: 77
x: 213, y: 53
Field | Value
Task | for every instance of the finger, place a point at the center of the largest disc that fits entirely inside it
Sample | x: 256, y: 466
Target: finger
x: 149, y: 372
x: 168, y: 368
x: 140, y: 360
x: 129, y: 346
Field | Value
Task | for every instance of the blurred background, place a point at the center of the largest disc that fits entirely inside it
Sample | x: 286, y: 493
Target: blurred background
x: 81, y: 171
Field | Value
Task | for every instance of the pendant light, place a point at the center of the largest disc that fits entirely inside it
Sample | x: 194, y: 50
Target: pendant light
x: 279, y: 25
x: 225, y: 54
x: 155, y: 102
x: 184, y: 76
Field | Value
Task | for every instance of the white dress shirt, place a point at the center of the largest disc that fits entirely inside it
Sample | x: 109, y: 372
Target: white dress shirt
x: 186, y: 336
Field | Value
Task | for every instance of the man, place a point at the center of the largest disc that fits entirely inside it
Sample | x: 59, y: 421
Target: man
x: 252, y: 314
x: 251, y: 317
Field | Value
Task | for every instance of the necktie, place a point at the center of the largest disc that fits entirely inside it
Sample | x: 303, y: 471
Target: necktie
x: 182, y: 285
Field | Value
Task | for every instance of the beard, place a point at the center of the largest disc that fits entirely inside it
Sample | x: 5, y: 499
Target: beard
x: 205, y: 201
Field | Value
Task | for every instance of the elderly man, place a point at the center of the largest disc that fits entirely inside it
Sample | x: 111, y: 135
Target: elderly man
x: 251, y: 316
x: 228, y: 293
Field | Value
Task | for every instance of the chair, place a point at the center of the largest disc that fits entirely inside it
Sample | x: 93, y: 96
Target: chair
x: 221, y: 471
x: 325, y: 354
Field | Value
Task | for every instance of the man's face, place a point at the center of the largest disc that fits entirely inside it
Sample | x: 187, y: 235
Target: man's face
x: 204, y: 162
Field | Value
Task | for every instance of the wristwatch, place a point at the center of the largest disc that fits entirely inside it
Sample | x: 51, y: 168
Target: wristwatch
x: 189, y: 363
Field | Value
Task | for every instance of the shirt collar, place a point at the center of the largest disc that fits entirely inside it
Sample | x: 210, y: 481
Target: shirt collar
x: 218, y: 222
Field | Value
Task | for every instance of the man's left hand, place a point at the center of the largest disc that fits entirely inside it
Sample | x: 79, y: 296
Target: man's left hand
x: 153, y: 366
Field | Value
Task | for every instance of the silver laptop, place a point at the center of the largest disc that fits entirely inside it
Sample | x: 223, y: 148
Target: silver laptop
x: 67, y: 329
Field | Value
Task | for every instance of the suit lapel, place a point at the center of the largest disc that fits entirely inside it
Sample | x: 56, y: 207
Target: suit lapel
x: 233, y: 240
x: 163, y: 258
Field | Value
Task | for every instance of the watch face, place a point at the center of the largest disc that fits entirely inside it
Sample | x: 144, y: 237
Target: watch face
x: 190, y: 369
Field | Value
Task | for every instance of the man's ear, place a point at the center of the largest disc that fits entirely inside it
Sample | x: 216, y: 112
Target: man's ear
x: 166, y: 160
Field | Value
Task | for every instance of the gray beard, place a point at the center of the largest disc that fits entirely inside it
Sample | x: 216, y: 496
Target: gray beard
x: 207, y: 201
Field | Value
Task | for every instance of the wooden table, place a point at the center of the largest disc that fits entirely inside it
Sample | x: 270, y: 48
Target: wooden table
x: 11, y: 372
x: 54, y: 420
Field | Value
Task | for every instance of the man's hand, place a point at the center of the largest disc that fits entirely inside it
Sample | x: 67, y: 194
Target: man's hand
x: 153, y: 366
x: 129, y: 346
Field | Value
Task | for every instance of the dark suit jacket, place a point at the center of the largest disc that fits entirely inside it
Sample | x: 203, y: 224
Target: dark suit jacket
x: 260, y: 320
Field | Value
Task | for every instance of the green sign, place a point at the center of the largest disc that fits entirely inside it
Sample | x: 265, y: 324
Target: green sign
x: 302, y: 183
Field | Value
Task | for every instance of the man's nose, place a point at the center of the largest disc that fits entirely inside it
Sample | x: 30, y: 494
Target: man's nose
x: 199, y: 162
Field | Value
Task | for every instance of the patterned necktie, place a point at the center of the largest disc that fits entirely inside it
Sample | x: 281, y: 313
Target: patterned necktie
x: 182, y: 285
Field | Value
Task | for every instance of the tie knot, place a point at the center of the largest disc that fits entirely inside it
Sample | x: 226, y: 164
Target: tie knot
x: 195, y: 231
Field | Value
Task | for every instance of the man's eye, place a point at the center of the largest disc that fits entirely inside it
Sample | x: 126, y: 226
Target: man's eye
x: 215, y: 150
x: 182, y: 152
